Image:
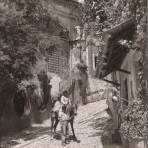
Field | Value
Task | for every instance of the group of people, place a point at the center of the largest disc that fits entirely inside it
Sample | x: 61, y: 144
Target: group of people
x: 60, y: 111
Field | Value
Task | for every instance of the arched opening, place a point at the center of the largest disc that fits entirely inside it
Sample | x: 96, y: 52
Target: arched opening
x: 19, y: 102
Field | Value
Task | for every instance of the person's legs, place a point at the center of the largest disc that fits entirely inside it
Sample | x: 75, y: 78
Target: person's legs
x: 56, y: 124
x: 52, y: 122
x: 67, y: 133
x: 56, y: 121
x: 63, y: 138
x: 64, y: 132
x: 72, y: 127
x: 67, y: 129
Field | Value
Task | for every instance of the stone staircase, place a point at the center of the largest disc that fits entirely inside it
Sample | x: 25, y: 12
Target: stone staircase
x: 96, y: 90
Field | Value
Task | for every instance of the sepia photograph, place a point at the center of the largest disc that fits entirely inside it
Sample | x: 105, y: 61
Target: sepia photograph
x: 73, y: 74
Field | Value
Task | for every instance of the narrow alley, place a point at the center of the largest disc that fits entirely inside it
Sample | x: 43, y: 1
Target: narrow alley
x: 77, y: 62
x: 92, y: 127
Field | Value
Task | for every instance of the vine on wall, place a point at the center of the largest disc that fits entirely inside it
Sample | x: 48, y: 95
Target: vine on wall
x: 106, y: 14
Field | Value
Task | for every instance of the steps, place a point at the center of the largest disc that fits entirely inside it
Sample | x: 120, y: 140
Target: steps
x: 96, y: 89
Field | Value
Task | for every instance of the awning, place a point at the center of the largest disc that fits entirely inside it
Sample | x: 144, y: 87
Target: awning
x: 124, y: 30
x: 113, y: 51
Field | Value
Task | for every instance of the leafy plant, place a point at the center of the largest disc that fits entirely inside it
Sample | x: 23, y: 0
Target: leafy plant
x: 18, y: 53
x: 134, y: 123
x: 105, y: 14
x: 25, y: 26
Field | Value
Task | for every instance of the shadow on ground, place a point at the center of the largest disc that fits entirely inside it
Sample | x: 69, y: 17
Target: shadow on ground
x: 26, y: 135
x: 104, y: 129
x: 32, y: 133
x: 70, y: 138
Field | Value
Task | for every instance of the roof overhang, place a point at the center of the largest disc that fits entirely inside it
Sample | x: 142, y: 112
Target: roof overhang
x: 114, y: 52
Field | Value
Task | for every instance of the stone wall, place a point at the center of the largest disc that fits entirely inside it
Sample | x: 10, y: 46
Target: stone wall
x: 96, y: 89
x: 67, y: 12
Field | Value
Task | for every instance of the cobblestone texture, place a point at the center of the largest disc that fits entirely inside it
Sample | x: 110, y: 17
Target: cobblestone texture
x: 88, y: 128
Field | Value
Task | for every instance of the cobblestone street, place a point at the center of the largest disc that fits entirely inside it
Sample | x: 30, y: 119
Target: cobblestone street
x: 73, y: 74
x: 90, y: 125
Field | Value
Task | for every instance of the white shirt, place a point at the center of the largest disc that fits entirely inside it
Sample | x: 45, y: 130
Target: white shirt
x: 57, y: 106
x: 65, y: 100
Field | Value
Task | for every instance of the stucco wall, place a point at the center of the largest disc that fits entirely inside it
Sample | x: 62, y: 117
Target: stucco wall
x: 129, y: 64
x: 67, y: 13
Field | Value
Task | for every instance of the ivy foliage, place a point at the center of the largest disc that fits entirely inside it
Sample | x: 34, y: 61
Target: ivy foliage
x: 106, y: 14
x: 24, y: 25
x: 17, y: 48
x: 135, y: 120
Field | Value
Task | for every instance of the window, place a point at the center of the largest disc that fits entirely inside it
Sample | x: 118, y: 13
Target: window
x: 57, y: 62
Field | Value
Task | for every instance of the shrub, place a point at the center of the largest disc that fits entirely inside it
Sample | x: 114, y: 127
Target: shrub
x: 134, y: 122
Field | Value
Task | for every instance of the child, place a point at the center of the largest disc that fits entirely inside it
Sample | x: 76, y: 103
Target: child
x: 63, y: 118
x: 64, y: 99
x: 56, y: 105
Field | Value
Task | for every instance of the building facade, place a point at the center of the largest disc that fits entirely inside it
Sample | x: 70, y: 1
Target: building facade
x: 119, y: 67
x: 85, y: 49
x: 64, y: 16
x: 67, y: 13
